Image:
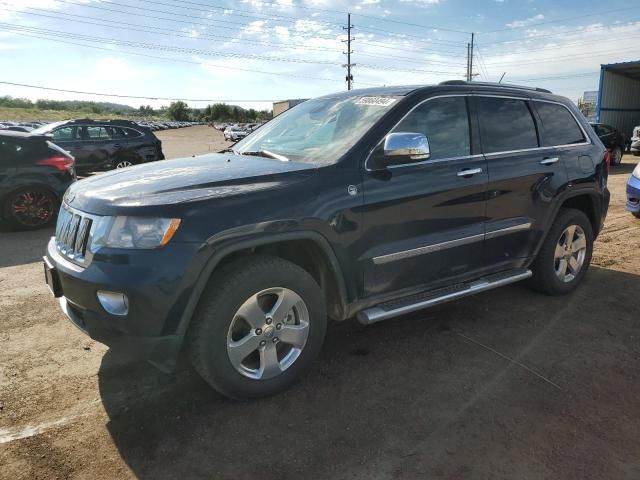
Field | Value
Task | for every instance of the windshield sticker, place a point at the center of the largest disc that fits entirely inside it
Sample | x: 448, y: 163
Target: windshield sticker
x: 375, y: 101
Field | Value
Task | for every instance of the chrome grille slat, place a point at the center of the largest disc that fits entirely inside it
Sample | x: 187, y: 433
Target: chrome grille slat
x: 73, y: 232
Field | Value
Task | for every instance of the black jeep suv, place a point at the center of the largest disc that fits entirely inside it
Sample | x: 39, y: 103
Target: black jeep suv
x: 104, y: 144
x: 369, y: 203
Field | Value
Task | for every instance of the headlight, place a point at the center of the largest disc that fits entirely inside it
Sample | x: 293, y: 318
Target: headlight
x: 133, y: 232
x: 636, y: 171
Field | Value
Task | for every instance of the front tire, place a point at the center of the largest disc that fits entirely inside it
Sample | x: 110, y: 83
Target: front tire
x: 565, y: 255
x: 260, y: 324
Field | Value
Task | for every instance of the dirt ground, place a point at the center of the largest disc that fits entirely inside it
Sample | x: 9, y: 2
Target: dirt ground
x: 508, y: 384
x: 185, y: 142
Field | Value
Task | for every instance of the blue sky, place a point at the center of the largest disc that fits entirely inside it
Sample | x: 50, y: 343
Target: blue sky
x: 259, y: 52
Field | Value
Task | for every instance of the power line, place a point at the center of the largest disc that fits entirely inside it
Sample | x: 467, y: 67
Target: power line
x: 587, y: 29
x: 139, y: 97
x: 295, y: 46
x: 598, y: 14
x: 150, y: 46
x: 153, y: 46
x: 191, y: 62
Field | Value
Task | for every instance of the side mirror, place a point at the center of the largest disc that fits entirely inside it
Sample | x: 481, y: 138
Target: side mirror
x: 401, y: 148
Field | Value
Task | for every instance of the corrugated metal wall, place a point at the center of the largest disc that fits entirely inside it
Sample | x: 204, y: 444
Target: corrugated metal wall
x: 622, y: 93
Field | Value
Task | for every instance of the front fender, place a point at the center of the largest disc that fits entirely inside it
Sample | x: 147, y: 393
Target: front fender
x: 219, y: 246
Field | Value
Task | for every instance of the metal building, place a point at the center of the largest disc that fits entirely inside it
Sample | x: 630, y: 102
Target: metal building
x: 619, y: 96
x: 284, y: 105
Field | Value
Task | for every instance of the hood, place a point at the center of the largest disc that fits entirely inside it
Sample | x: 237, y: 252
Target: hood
x: 171, y: 182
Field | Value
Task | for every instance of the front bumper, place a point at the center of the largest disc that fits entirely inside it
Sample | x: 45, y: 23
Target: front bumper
x: 633, y: 195
x: 157, y: 285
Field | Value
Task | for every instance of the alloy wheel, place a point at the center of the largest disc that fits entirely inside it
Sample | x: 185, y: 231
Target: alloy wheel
x: 123, y: 164
x: 268, y: 333
x: 33, y: 208
x: 570, y: 253
x: 617, y: 156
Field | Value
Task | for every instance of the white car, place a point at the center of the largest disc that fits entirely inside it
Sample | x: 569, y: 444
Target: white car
x: 235, y: 133
x: 635, y: 142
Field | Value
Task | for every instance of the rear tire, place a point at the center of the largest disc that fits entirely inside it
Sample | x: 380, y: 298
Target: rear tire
x: 30, y: 208
x: 616, y: 156
x: 565, y: 255
x: 259, y: 325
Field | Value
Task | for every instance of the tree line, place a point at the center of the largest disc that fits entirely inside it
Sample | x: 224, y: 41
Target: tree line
x: 179, y: 111
x: 217, y: 112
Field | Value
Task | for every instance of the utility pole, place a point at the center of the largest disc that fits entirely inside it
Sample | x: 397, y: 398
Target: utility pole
x: 468, y: 72
x: 349, y: 77
x: 471, y: 59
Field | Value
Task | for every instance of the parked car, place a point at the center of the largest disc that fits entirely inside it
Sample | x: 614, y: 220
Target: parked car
x: 103, y: 145
x: 34, y: 174
x: 371, y: 203
x: 235, y: 133
x: 633, y: 192
x: 635, y: 142
x: 612, y: 139
x: 18, y: 128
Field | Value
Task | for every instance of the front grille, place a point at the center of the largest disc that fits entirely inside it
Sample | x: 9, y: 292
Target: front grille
x: 72, y: 233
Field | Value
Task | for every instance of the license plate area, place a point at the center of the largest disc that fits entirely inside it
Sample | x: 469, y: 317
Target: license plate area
x: 51, y: 278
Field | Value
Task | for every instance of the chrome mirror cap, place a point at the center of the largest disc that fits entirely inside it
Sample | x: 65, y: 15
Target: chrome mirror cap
x: 407, y: 144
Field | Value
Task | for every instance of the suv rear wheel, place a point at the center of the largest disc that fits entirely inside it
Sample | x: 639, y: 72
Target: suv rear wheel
x: 616, y: 156
x: 565, y: 255
x: 259, y: 325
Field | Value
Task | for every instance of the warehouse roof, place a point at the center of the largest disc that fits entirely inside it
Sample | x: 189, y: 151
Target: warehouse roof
x: 627, y: 69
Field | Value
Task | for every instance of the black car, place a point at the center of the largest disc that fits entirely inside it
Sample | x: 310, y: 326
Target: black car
x: 34, y: 174
x: 612, y: 139
x: 104, y: 145
x: 368, y: 203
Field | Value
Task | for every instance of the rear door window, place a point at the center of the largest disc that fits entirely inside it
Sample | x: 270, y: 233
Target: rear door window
x: 559, y: 127
x: 96, y: 133
x: 506, y: 124
x: 445, y: 122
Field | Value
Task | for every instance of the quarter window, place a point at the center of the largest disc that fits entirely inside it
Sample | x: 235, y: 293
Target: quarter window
x: 506, y: 124
x: 445, y: 122
x: 559, y: 126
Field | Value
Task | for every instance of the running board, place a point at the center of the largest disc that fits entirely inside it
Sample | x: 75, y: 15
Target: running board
x: 431, y: 298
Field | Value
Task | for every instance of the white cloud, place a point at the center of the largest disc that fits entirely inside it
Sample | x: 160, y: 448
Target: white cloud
x: 525, y: 22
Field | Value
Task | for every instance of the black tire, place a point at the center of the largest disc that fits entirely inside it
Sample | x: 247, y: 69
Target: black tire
x: 544, y: 278
x: 123, y: 162
x: 616, y: 153
x: 41, y: 208
x: 223, y: 296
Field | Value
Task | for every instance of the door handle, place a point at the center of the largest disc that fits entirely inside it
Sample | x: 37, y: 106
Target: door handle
x: 467, y: 172
x: 549, y: 161
x: 117, y: 145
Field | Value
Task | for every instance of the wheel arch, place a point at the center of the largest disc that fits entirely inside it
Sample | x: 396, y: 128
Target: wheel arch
x: 307, y: 249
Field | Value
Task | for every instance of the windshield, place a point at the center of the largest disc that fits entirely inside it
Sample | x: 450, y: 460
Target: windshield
x: 46, y: 128
x: 319, y: 130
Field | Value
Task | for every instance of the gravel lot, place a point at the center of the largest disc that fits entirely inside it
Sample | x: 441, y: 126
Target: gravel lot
x: 507, y: 384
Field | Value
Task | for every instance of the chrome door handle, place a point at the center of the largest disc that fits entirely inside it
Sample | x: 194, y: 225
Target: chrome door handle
x: 468, y: 172
x: 549, y: 161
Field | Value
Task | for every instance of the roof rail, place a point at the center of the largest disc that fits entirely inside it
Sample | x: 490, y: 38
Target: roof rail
x: 494, y: 84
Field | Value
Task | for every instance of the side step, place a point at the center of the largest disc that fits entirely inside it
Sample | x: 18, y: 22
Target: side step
x: 431, y: 298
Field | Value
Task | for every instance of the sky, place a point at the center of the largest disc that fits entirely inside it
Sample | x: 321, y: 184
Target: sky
x: 252, y: 52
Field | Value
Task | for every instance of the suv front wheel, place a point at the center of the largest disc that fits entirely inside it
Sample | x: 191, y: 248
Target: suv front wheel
x: 565, y: 255
x: 259, y: 325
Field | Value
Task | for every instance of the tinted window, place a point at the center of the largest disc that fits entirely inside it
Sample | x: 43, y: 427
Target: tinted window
x: 96, y: 133
x: 9, y: 151
x: 559, y: 126
x: 64, y: 133
x: 130, y: 133
x: 445, y: 122
x: 505, y: 124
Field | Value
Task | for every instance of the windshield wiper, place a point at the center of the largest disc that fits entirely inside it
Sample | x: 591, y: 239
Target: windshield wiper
x: 229, y: 150
x: 266, y: 153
